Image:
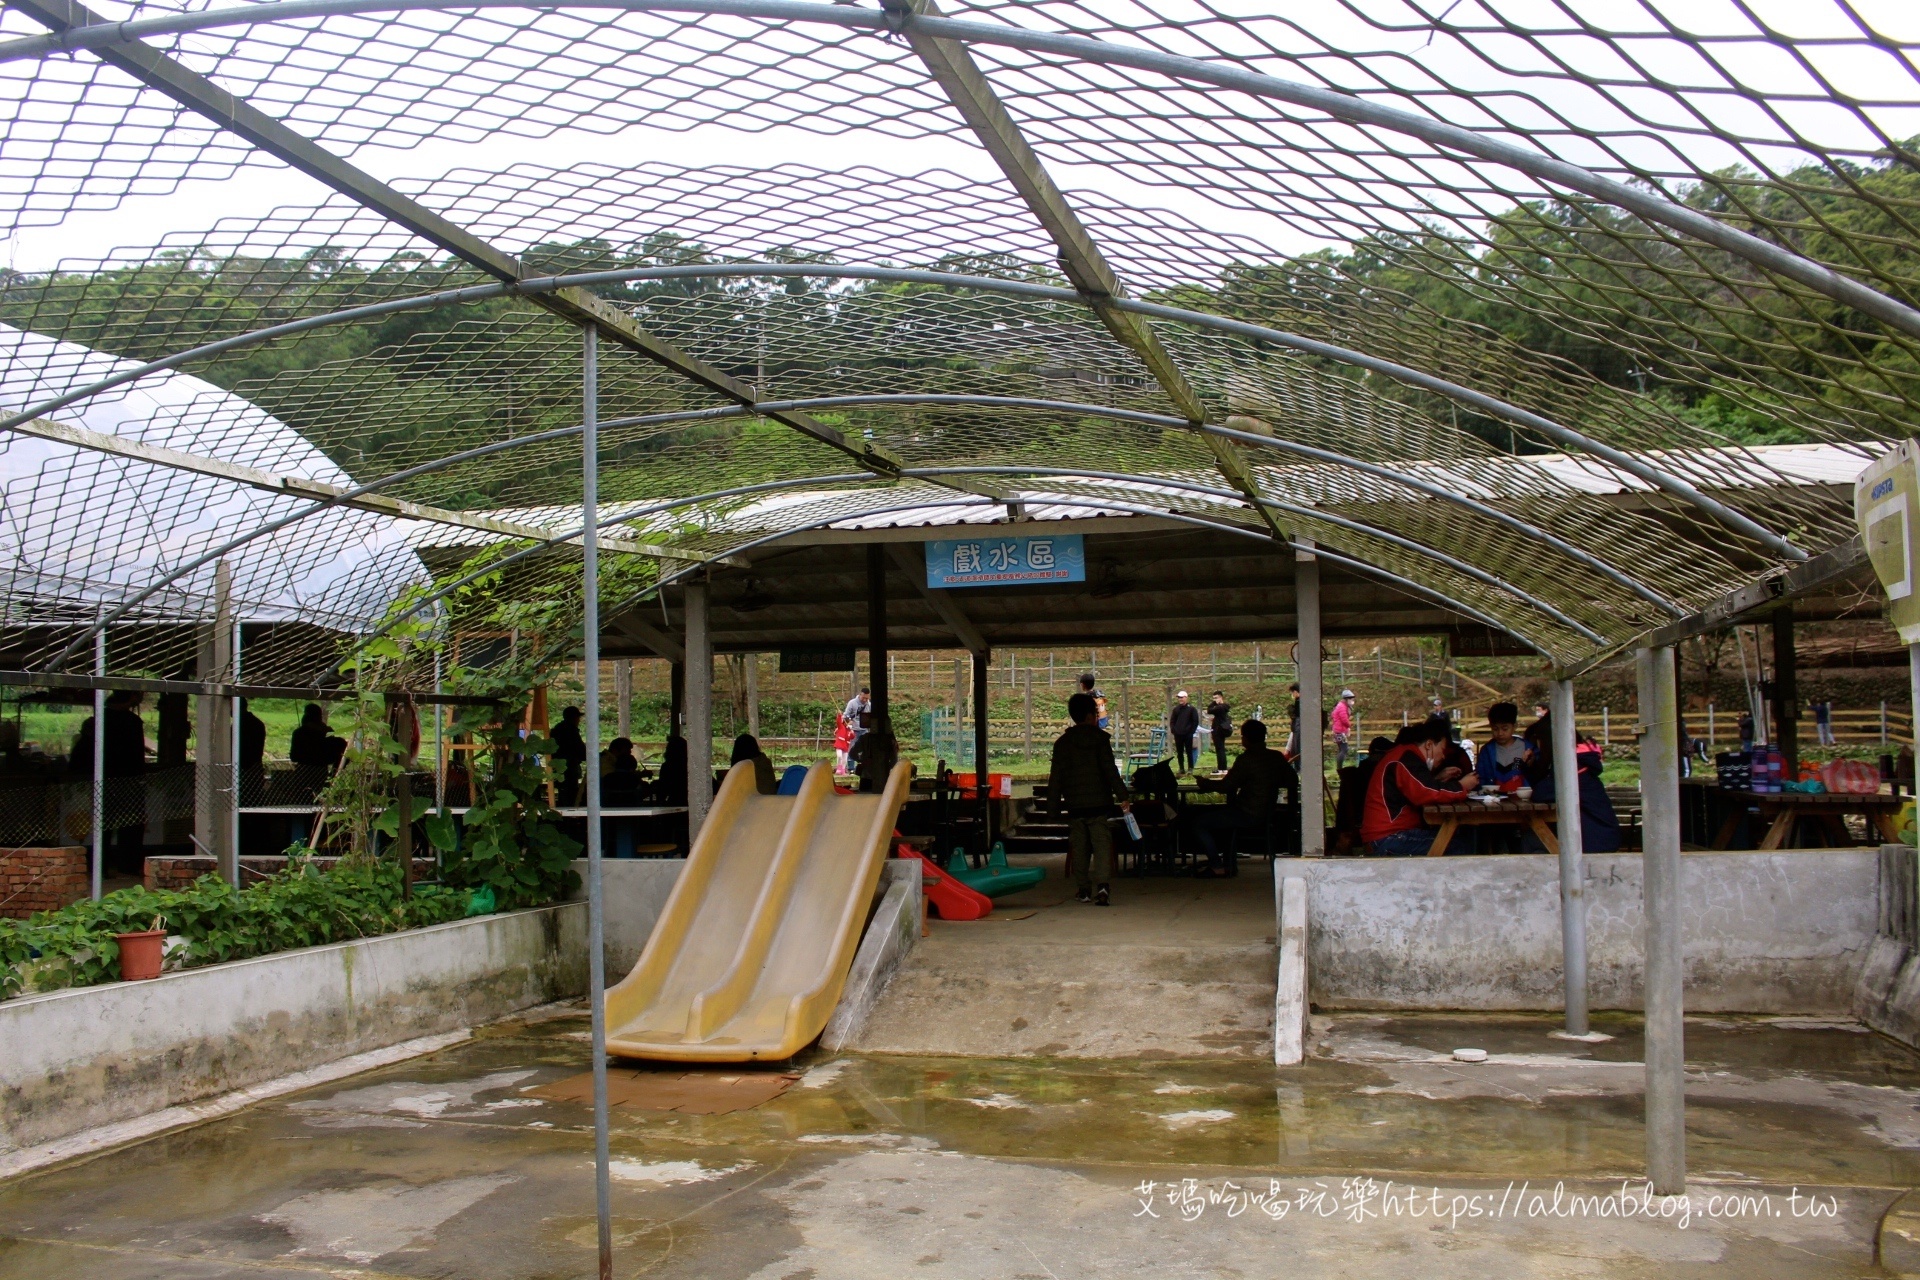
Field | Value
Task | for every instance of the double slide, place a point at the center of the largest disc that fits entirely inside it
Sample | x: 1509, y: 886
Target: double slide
x: 753, y: 946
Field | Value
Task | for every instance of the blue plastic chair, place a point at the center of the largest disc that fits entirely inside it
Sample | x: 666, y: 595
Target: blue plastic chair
x: 790, y: 780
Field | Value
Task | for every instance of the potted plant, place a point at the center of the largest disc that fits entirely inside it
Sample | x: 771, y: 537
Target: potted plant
x: 141, y: 953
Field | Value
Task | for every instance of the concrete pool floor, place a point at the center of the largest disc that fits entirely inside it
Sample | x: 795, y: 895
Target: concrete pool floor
x: 875, y: 1165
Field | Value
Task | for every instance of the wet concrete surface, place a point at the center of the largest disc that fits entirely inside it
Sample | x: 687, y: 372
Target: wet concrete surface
x: 1381, y: 1155
x: 1175, y: 968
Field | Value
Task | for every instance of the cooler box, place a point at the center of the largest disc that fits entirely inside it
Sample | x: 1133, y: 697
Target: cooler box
x: 999, y: 785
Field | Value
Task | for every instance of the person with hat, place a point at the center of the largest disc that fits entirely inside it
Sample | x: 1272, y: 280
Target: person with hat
x: 1341, y: 723
x: 1183, y: 721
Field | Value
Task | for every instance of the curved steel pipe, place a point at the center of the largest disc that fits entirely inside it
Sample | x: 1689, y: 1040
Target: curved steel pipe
x: 1546, y: 169
x: 1652, y: 475
x: 1359, y: 566
x: 1310, y: 513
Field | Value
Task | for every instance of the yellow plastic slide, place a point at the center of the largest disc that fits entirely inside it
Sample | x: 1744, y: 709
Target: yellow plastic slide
x: 754, y: 943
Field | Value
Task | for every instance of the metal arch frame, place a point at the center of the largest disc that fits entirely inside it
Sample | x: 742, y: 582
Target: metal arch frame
x: 901, y: 398
x: 970, y: 500
x: 1258, y: 333
x: 1233, y: 495
x: 1341, y: 106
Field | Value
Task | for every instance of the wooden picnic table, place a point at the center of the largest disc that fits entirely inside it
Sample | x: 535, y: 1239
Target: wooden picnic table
x: 1507, y: 812
x: 1786, y: 808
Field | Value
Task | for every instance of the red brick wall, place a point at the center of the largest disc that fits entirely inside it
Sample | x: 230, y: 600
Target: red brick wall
x: 42, y: 879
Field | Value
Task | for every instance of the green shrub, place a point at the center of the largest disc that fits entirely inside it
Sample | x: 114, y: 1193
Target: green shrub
x: 300, y: 907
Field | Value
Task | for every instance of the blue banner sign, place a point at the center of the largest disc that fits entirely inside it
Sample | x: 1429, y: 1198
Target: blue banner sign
x: 992, y: 561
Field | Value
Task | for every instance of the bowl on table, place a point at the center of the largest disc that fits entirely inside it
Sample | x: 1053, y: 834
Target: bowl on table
x: 1525, y: 793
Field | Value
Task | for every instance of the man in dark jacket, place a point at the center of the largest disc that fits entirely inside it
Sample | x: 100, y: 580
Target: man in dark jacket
x: 1402, y: 783
x: 1084, y: 785
x: 1183, y: 722
x: 1220, y: 722
x: 1253, y: 787
x: 570, y: 752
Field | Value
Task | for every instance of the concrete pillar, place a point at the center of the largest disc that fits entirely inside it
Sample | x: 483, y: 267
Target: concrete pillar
x: 1573, y: 871
x: 1660, y: 895
x: 879, y: 670
x: 959, y: 710
x: 752, y: 661
x: 1306, y: 594
x: 699, y: 696
x: 1786, y: 691
x: 213, y: 734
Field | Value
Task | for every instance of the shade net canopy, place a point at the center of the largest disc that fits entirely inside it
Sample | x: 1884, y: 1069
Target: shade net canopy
x: 1575, y: 316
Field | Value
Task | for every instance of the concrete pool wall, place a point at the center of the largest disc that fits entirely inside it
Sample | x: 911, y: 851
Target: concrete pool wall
x: 1775, y: 933
x: 91, y: 1056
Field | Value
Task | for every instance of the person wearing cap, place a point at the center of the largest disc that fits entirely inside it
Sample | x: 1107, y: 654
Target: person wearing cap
x: 1220, y: 724
x: 1183, y: 721
x: 1341, y: 724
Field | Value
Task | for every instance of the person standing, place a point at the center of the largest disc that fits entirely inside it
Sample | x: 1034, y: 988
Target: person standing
x: 1342, y: 726
x: 855, y: 714
x: 1293, y: 722
x: 1183, y: 722
x: 1084, y: 784
x: 124, y: 760
x: 570, y: 751
x: 1089, y: 686
x: 1220, y: 724
x: 1823, y: 721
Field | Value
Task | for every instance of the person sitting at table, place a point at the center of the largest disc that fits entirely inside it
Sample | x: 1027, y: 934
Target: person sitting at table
x: 1502, y: 763
x: 670, y: 784
x: 1599, y: 825
x: 875, y: 753
x: 1455, y: 761
x: 747, y: 747
x: 1351, y: 805
x: 620, y: 775
x: 1405, y: 781
x: 1252, y: 786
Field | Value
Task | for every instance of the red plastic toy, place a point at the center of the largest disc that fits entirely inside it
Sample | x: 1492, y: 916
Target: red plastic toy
x: 949, y: 899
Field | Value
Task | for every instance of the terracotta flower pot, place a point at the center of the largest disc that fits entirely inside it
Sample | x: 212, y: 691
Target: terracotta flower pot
x: 140, y: 954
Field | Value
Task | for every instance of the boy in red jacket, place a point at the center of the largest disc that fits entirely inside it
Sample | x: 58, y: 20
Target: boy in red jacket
x: 1403, y: 782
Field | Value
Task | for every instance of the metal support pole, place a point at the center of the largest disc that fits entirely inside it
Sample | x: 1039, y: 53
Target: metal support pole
x: 235, y: 714
x: 1786, y: 691
x: 596, y: 913
x: 1573, y: 873
x: 623, y: 697
x: 99, y: 764
x: 1660, y: 897
x: 878, y: 668
x: 752, y: 661
x: 1306, y: 595
x: 439, y: 739
x: 1026, y: 741
x: 981, y: 702
x: 699, y: 695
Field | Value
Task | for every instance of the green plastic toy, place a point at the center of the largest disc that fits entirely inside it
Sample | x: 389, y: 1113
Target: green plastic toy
x: 996, y: 879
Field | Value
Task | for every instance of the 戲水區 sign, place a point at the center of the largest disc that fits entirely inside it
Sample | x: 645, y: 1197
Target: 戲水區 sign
x: 983, y: 562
